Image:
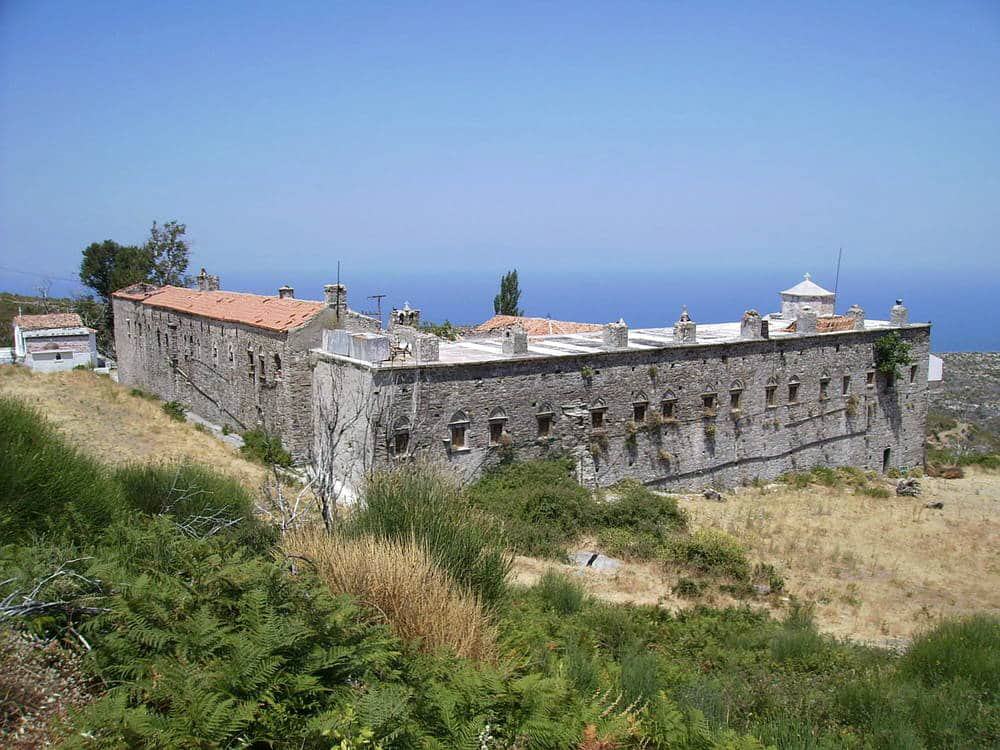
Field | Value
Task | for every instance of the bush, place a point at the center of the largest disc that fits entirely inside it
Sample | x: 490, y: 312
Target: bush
x: 967, y: 649
x: 875, y: 490
x: 637, y: 508
x: 46, y: 486
x: 628, y: 544
x: 540, y: 505
x: 560, y: 593
x: 175, y: 410
x: 640, y: 678
x: 203, y: 501
x: 400, y: 582
x: 892, y: 353
x: 421, y: 504
x: 264, y: 448
x: 687, y: 588
x: 712, y: 552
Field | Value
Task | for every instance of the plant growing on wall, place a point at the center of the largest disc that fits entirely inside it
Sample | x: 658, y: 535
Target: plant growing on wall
x: 587, y: 372
x: 892, y: 353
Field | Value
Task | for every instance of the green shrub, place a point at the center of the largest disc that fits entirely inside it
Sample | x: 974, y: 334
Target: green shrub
x: 174, y: 410
x: 640, y: 678
x: 875, y: 490
x: 967, y: 649
x: 892, y: 353
x: 687, y: 588
x: 46, y: 486
x: 442, y: 330
x: 418, y: 502
x: 203, y: 501
x: 713, y: 552
x: 765, y: 573
x: 264, y: 448
x: 539, y: 503
x: 637, y: 508
x: 562, y: 594
x: 628, y: 544
x: 139, y: 393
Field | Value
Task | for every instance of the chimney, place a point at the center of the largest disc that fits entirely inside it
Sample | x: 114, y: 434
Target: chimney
x: 752, y: 326
x: 203, y: 281
x: 685, y: 329
x: 335, y: 295
x: 514, y: 341
x: 899, y: 315
x: 286, y: 292
x: 806, y: 322
x: 615, y: 335
x: 858, y: 314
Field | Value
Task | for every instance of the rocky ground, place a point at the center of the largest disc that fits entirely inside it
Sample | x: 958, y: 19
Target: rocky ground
x: 969, y: 395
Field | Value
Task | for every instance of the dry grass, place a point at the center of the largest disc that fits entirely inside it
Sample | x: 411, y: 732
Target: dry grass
x: 399, y: 581
x: 878, y: 569
x: 103, y: 418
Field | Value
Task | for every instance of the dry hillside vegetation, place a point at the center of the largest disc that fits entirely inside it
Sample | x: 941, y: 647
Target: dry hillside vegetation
x: 105, y: 419
x: 878, y: 570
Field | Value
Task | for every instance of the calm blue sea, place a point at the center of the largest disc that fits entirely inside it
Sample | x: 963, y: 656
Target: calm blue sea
x: 961, y: 305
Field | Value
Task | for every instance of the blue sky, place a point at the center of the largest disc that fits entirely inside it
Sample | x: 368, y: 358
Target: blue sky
x: 539, y: 135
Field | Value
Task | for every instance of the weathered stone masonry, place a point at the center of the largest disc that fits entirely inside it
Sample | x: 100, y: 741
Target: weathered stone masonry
x: 678, y: 417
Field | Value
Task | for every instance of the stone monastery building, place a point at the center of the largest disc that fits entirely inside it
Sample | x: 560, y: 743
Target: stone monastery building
x: 679, y: 406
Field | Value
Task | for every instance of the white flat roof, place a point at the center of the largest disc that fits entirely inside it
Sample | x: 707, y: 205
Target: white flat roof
x: 580, y: 344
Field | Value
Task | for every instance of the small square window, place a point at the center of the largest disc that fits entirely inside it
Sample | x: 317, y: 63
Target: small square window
x: 639, y: 412
x: 597, y: 418
x: 913, y: 373
x: 669, y: 409
x: 845, y: 385
x: 708, y: 401
x: 401, y: 442
x: 544, y: 425
x: 870, y: 378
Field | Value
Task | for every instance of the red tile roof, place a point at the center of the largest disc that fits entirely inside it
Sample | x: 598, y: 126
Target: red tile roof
x: 49, y: 320
x: 827, y: 325
x: 270, y: 313
x: 534, y: 326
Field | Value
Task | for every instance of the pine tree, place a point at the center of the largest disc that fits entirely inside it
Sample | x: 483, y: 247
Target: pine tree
x: 505, y: 303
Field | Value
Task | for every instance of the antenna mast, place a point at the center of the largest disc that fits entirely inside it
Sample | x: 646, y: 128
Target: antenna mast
x: 836, y: 281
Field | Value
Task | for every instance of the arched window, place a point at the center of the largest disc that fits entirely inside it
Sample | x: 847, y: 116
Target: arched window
x: 458, y: 426
x: 793, y: 390
x: 640, y: 403
x: 401, y: 437
x: 736, y: 395
x: 498, y: 424
x: 668, y: 406
x: 771, y: 392
x: 597, y: 412
x: 709, y: 401
x: 545, y: 416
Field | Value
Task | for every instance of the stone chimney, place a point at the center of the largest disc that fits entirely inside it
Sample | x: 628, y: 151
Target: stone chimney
x: 615, y: 335
x: 514, y: 341
x: 858, y: 314
x: 899, y: 315
x: 335, y: 295
x: 806, y: 322
x: 752, y: 326
x: 286, y: 292
x: 407, y: 316
x: 203, y: 281
x: 685, y: 329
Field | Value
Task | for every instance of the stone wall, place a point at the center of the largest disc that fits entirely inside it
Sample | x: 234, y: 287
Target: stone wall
x: 702, y: 440
x: 205, y: 364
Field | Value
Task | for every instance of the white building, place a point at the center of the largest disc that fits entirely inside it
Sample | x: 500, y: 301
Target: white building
x: 54, y: 342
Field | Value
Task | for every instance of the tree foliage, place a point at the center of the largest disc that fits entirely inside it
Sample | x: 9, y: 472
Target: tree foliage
x: 892, y: 353
x: 505, y: 303
x: 169, y: 254
x: 107, y: 266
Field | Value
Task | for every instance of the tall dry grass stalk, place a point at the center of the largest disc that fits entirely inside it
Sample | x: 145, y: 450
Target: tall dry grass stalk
x: 400, y: 581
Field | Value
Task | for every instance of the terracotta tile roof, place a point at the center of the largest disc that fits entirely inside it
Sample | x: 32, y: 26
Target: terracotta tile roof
x: 828, y: 325
x: 270, y: 313
x: 49, y: 320
x: 534, y: 326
